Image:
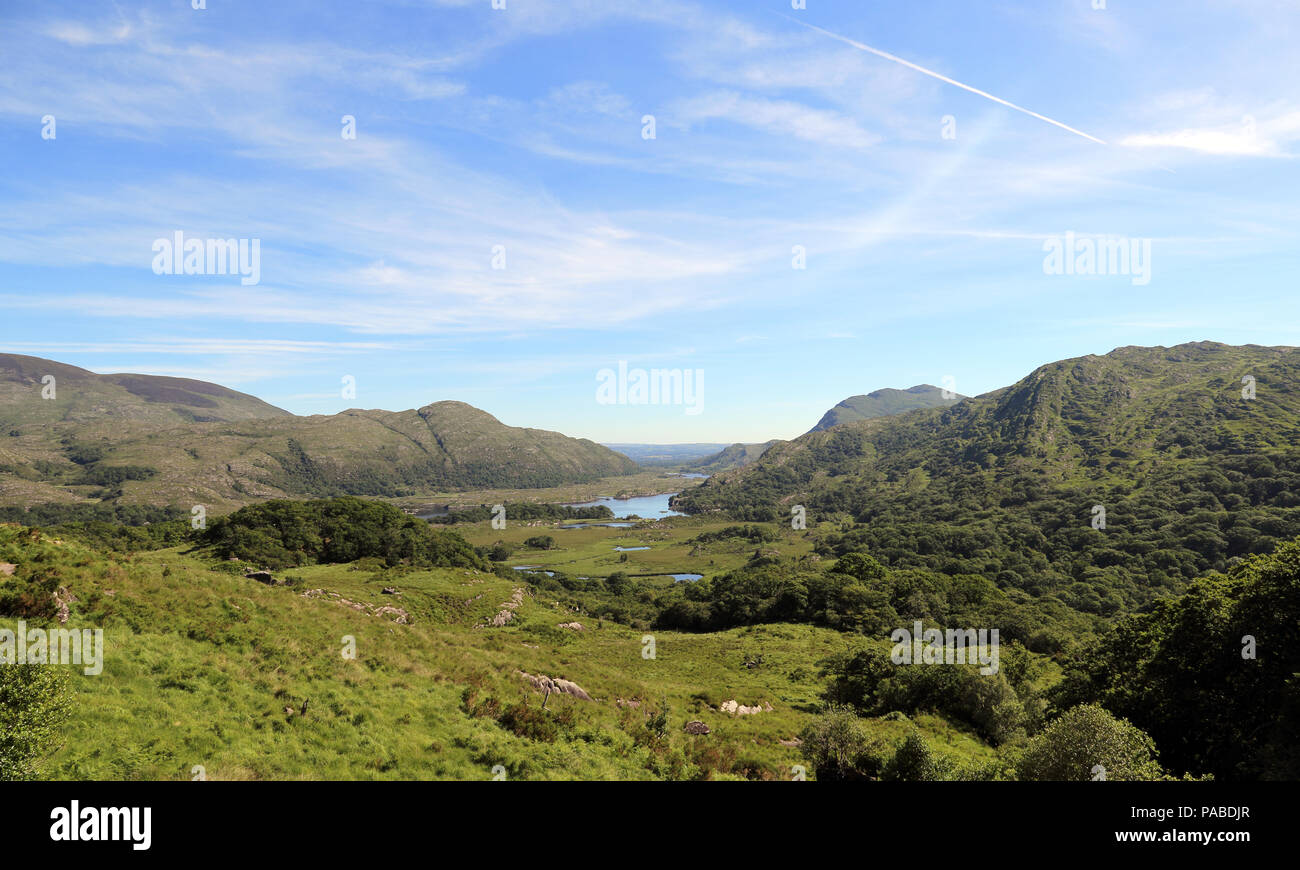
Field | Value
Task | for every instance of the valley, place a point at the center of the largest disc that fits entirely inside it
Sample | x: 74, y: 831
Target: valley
x: 733, y: 625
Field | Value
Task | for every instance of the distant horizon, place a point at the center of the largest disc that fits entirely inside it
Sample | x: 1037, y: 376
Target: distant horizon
x: 633, y: 441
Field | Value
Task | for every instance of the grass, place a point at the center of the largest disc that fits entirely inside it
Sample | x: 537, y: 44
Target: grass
x: 206, y: 668
x: 590, y: 551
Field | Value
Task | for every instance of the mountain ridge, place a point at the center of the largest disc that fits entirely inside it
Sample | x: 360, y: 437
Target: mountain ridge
x: 883, y: 403
x: 1187, y: 473
x: 125, y: 438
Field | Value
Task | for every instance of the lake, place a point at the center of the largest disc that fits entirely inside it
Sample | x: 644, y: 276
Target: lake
x: 651, y: 507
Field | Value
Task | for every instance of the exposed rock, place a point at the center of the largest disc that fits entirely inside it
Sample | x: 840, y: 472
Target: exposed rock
x: 793, y: 741
x: 696, y: 727
x: 399, y: 616
x: 575, y: 626
x: 738, y: 709
x: 508, y: 609
x: 62, y: 598
x: 543, y: 683
x: 390, y: 590
x: 261, y: 577
x: 8, y: 568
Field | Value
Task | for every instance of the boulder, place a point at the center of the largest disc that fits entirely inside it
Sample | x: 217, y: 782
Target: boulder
x: 543, y: 683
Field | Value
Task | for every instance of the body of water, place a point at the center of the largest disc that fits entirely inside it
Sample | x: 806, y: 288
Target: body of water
x: 599, y: 526
x: 533, y: 569
x: 650, y: 507
x: 431, y: 513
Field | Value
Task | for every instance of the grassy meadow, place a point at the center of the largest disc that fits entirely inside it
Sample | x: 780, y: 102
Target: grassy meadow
x: 204, y: 667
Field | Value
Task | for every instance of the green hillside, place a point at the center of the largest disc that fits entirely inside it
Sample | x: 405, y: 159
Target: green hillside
x: 1191, y: 476
x: 885, y: 403
x: 730, y: 643
x: 382, y: 649
x: 83, y: 397
x: 732, y: 456
x: 139, y: 440
x: 208, y: 667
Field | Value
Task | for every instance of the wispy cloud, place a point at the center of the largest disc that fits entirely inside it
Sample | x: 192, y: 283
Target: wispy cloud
x: 1247, y: 137
x: 943, y: 78
x: 778, y: 116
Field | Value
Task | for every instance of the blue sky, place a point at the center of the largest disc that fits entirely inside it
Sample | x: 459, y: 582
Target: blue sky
x: 922, y: 208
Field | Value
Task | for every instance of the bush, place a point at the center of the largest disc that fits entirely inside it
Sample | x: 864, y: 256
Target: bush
x: 838, y: 748
x: 283, y: 533
x: 1087, y: 743
x: 34, y: 703
x: 914, y: 762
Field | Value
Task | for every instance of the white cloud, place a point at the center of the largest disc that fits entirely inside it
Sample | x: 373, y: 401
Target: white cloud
x: 781, y: 117
x: 1247, y: 137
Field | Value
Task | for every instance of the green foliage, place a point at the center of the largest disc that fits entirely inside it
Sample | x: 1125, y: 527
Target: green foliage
x: 107, y: 525
x: 754, y: 534
x: 35, y: 701
x: 1179, y: 672
x: 838, y: 747
x: 868, y: 681
x: 540, y: 542
x: 281, y: 533
x: 525, y: 512
x: 914, y: 761
x: 1191, y: 476
x: 112, y: 475
x: 858, y: 594
x: 1087, y: 743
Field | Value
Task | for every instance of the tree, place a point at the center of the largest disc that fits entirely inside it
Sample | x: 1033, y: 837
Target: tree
x: 861, y: 566
x: 838, y: 748
x: 34, y: 703
x: 1087, y: 743
x: 618, y: 583
x: 914, y: 762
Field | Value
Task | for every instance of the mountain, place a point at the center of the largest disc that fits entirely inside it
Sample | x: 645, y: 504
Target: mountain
x: 82, y: 396
x: 1101, y: 481
x: 884, y: 403
x: 730, y: 457
x: 137, y: 439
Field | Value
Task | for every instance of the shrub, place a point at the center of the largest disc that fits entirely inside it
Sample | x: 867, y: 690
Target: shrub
x: 34, y: 703
x: 1087, y: 743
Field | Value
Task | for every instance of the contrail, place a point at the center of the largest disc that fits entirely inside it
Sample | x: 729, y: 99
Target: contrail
x: 943, y: 78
